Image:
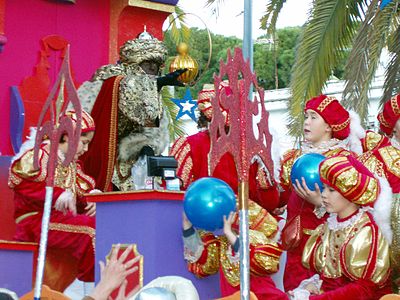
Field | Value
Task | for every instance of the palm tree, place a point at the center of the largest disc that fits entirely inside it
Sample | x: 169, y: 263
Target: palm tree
x: 333, y: 27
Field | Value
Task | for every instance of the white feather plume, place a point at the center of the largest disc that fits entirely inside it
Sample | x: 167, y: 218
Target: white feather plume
x: 28, y: 144
x: 357, y: 132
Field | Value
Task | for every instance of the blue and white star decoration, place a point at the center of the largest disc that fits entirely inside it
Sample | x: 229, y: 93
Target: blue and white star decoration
x: 187, y: 106
x: 384, y: 3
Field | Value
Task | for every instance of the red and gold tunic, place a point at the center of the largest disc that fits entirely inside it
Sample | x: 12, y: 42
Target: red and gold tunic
x: 351, y: 256
x: 74, y: 234
x: 217, y: 255
x: 192, y: 156
x: 298, y: 206
x: 385, y: 162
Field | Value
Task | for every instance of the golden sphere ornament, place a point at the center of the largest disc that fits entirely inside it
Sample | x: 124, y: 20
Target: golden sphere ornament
x: 184, y: 61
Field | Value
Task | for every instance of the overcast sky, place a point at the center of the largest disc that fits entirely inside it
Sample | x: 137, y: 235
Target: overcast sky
x: 230, y: 19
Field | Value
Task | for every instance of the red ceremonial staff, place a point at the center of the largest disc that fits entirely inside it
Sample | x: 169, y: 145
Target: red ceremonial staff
x: 237, y: 136
x: 53, y: 129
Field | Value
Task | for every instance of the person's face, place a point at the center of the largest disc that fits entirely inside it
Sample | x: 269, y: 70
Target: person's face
x: 150, y: 67
x: 396, y: 130
x: 334, y: 202
x: 316, y: 130
x: 83, y: 144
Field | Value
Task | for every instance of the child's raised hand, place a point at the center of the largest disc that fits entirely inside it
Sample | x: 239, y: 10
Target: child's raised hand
x: 186, y: 224
x: 313, y: 197
x: 230, y: 235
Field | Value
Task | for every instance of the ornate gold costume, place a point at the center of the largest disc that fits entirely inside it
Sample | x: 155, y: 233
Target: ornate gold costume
x: 356, y: 251
x: 217, y: 252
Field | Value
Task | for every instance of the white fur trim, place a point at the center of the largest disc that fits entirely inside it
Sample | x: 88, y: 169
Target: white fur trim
x: 27, y: 145
x: 88, y: 92
x: 155, y: 137
x: 382, y: 209
x: 357, y: 132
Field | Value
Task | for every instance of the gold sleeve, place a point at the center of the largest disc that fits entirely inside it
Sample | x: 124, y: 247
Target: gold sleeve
x: 261, y: 220
x: 84, y: 182
x: 310, y: 247
x: 367, y: 256
x: 209, y: 261
x: 22, y: 168
x: 264, y: 252
x: 286, y: 166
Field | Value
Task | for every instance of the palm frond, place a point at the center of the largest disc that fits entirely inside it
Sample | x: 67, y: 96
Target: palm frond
x: 364, y: 58
x: 214, y: 5
x: 327, y: 34
x: 392, y: 74
x: 179, y: 30
x: 176, y: 127
x: 268, y: 21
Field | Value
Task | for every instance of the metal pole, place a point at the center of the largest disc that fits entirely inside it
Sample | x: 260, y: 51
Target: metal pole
x: 43, y: 242
x: 243, y: 195
x: 243, y: 186
x: 247, y: 31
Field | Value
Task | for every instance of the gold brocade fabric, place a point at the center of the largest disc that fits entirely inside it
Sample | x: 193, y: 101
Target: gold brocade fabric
x: 287, y: 164
x: 372, y: 140
x: 395, y: 246
x: 231, y: 269
x: 137, y: 92
x: 391, y: 158
x: 265, y: 252
x: 70, y: 177
x: 181, y: 150
x: 290, y: 157
x: 372, y: 163
x: 353, y: 251
x: 211, y: 265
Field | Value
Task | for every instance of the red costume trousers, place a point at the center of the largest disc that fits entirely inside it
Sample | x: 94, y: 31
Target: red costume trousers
x: 72, y: 234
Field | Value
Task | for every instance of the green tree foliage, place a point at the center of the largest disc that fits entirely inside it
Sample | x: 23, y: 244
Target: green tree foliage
x: 268, y: 58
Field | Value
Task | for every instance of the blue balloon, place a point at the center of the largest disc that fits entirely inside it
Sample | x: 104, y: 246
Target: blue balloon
x: 307, y: 166
x: 206, y: 201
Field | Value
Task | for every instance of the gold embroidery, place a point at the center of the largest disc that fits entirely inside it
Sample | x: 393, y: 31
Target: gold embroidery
x: 341, y: 126
x: 263, y: 179
x: 372, y: 140
x: 391, y: 158
x: 383, y: 121
x: 287, y: 164
x: 230, y: 269
x: 113, y: 132
x: 349, y: 252
x: 394, y: 105
x: 75, y: 229
x: 177, y: 145
x: 372, y: 163
x: 325, y: 103
x: 211, y: 266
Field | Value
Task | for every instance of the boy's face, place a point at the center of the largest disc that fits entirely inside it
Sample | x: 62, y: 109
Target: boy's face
x: 83, y: 144
x: 333, y: 201
x: 316, y: 130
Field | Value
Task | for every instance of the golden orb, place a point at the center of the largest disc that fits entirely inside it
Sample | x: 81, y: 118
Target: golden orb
x: 184, y: 61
